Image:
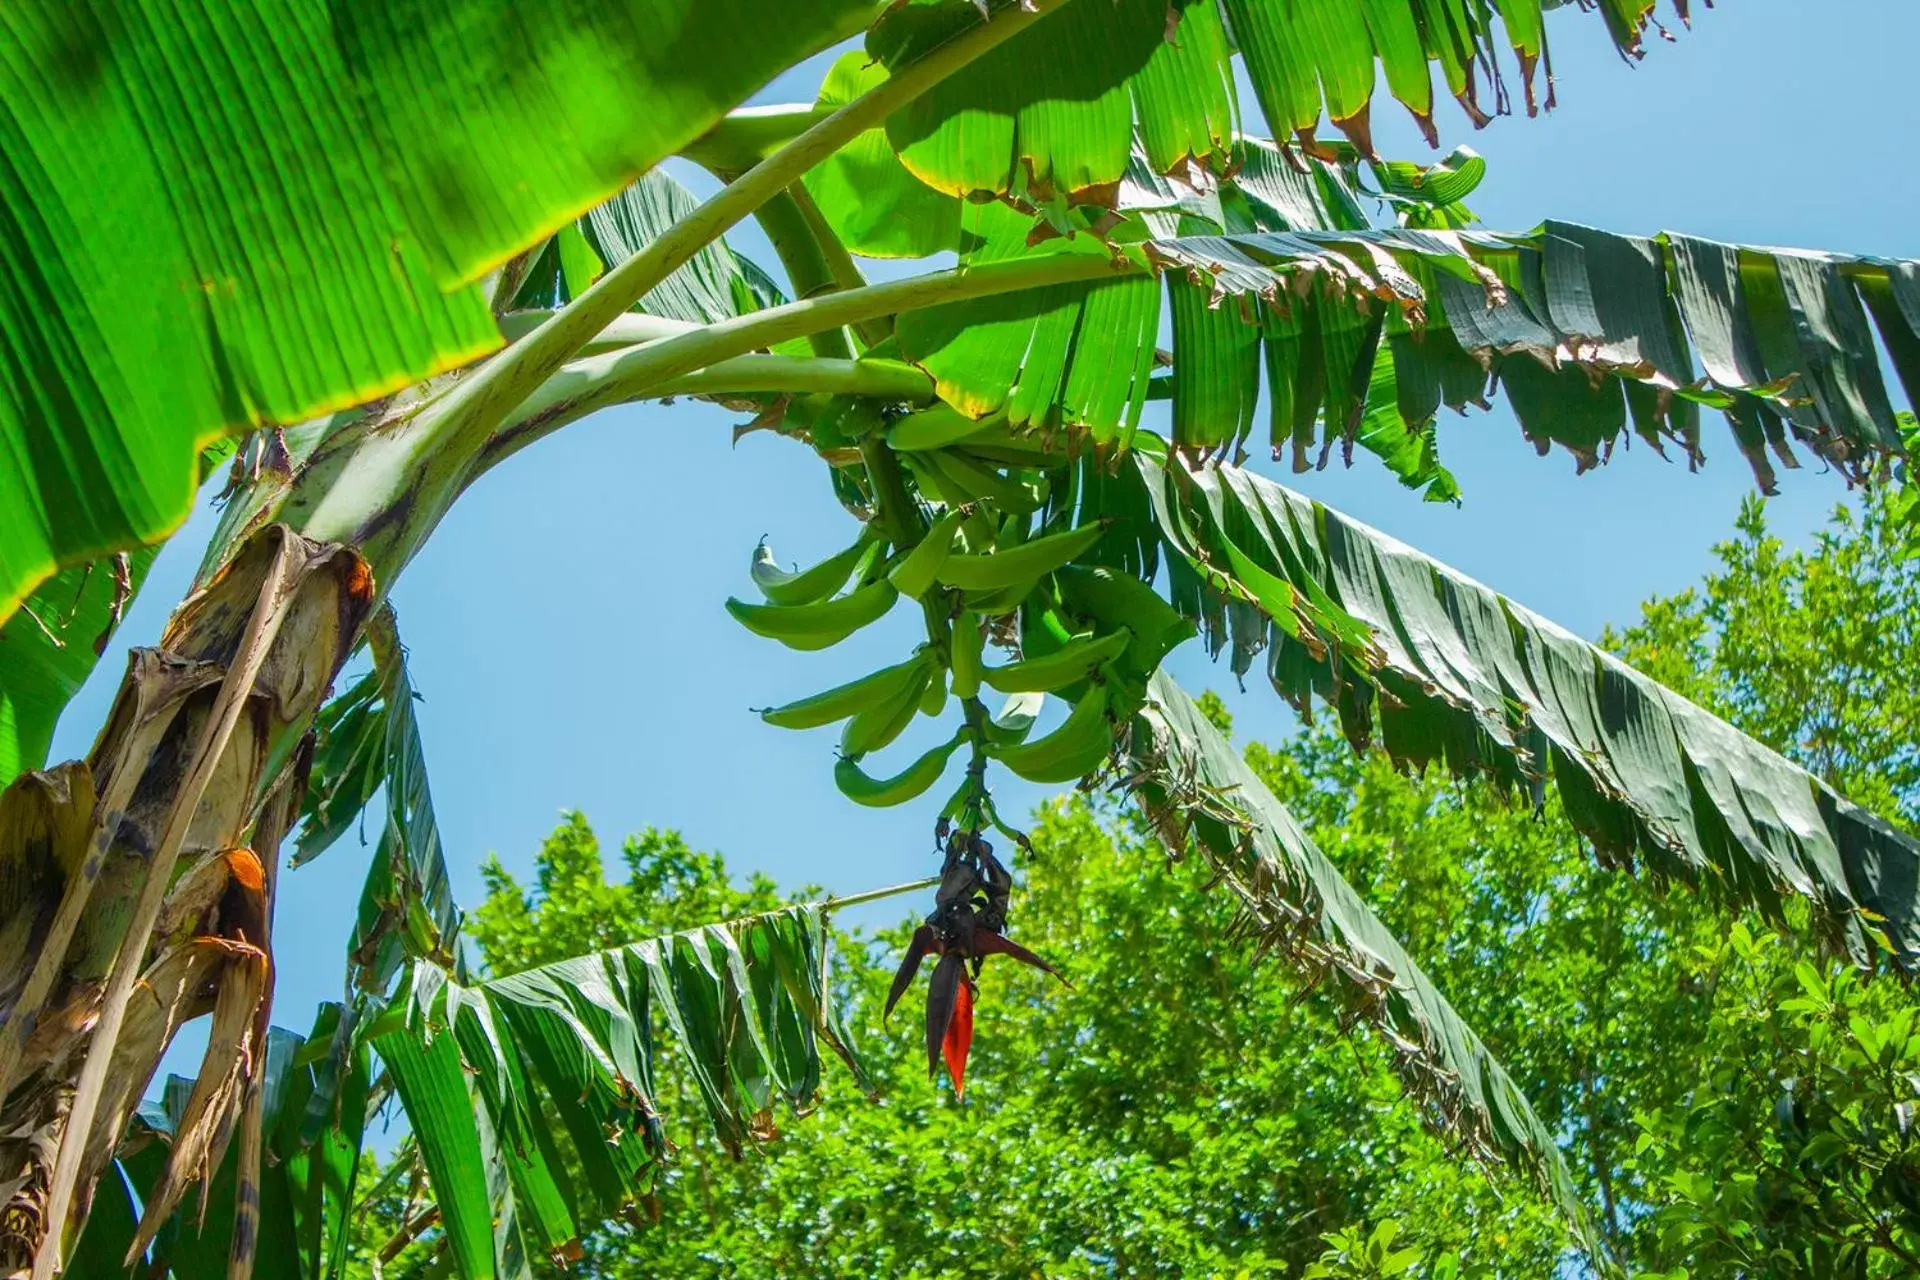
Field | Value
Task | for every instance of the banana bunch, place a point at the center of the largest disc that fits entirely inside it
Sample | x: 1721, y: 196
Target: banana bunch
x: 803, y: 609
x: 977, y: 571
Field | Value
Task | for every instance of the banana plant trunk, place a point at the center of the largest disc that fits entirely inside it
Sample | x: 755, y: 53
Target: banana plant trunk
x: 130, y: 900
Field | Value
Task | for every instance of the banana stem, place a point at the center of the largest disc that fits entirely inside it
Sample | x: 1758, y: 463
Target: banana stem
x: 875, y: 895
x: 631, y: 373
x: 839, y: 263
x: 805, y: 259
x: 481, y: 402
x: 895, y: 512
x: 976, y: 712
x: 630, y: 329
x: 588, y: 385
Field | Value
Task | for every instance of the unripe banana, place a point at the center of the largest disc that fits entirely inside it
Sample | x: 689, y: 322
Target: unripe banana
x: 934, y: 700
x: 1015, y: 720
x: 934, y: 427
x: 843, y: 700
x: 1062, y: 667
x: 931, y: 483
x: 980, y: 482
x: 1013, y: 532
x: 963, y: 655
x: 819, y: 625
x: 1000, y: 600
x: 1071, y: 751
x: 1024, y: 563
x: 913, y: 576
x: 808, y: 585
x: 1042, y: 631
x: 997, y: 441
x: 874, y: 727
x: 861, y: 788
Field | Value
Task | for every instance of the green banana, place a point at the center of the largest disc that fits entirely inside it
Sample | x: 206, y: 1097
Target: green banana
x: 934, y: 700
x: 1015, y: 720
x: 1043, y: 631
x: 1060, y: 668
x: 913, y: 576
x: 978, y: 481
x: 1071, y: 751
x: 996, y: 441
x: 861, y: 788
x: 808, y: 585
x: 1023, y: 563
x: 931, y: 483
x: 963, y: 655
x: 844, y: 700
x: 933, y: 428
x: 869, y: 566
x: 999, y: 600
x: 819, y: 625
x: 875, y: 726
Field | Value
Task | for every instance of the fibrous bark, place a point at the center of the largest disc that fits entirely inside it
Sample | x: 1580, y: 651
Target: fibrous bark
x: 80, y: 841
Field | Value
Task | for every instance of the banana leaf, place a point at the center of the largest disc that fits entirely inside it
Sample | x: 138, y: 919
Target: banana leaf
x: 368, y: 739
x: 1589, y: 333
x: 52, y: 643
x: 1200, y: 795
x: 715, y: 285
x: 316, y: 1102
x: 1050, y: 115
x: 220, y: 215
x: 484, y: 1072
x: 1433, y: 667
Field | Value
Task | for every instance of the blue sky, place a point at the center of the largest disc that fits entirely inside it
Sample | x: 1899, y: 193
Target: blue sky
x: 565, y: 624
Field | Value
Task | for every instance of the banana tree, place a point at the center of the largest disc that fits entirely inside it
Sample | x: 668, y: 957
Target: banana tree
x: 384, y: 247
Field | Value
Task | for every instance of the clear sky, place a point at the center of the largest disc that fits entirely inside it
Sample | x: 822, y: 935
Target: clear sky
x: 565, y: 624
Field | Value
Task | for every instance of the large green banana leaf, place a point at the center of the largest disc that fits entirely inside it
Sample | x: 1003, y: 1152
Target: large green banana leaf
x: 530, y: 1099
x: 1199, y: 794
x: 1588, y: 332
x: 220, y: 214
x: 406, y: 904
x: 483, y: 1071
x: 717, y: 284
x: 1435, y: 667
x: 1050, y: 116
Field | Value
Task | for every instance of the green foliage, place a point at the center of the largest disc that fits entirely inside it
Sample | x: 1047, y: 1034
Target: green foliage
x: 1796, y: 1154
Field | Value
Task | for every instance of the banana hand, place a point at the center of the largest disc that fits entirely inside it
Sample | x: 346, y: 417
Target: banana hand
x: 861, y: 788
x: 914, y: 575
x: 819, y: 625
x: 1070, y: 752
x: 1065, y: 665
x: 963, y: 655
x: 1027, y: 562
x: 934, y: 427
x: 878, y: 725
x: 844, y: 700
x: 808, y: 585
